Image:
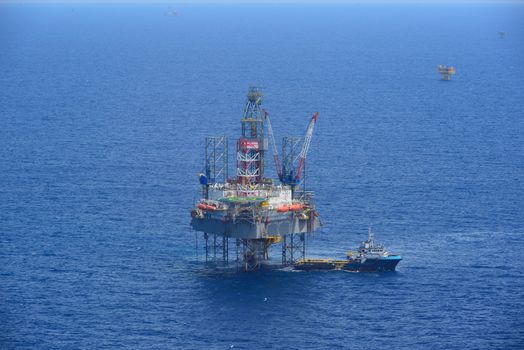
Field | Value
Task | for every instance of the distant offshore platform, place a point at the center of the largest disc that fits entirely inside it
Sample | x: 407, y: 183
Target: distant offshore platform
x: 446, y: 71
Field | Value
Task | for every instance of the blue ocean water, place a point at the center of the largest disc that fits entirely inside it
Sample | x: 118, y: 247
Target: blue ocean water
x: 103, y: 112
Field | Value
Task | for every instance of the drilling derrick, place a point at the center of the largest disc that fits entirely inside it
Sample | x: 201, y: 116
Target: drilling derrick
x: 249, y: 208
x: 251, y: 145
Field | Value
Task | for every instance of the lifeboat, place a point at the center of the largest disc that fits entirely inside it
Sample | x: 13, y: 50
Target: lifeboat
x: 292, y: 207
x: 205, y: 206
x: 295, y: 207
x: 283, y: 208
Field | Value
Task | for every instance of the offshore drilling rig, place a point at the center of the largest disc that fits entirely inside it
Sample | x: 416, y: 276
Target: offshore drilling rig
x: 249, y: 208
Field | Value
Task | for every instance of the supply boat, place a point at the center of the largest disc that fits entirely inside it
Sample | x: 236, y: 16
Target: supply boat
x: 371, y: 257
x: 368, y: 258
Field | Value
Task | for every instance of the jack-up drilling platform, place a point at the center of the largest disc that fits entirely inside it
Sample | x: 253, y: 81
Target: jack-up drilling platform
x: 250, y: 208
x: 446, y: 72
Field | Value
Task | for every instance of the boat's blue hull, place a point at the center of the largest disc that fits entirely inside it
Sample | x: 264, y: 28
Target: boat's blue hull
x: 374, y: 265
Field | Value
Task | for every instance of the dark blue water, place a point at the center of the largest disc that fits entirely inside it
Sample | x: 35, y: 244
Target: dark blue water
x: 103, y: 111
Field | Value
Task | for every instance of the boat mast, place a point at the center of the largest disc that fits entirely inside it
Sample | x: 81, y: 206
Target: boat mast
x: 370, y: 236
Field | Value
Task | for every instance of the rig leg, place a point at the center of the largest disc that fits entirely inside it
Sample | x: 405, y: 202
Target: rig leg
x: 220, y: 249
x: 206, y: 237
x: 238, y: 253
x: 293, y: 248
x: 251, y: 255
x: 254, y: 252
x: 284, y: 250
x: 303, y: 240
x: 225, y: 250
x: 196, y: 246
x: 215, y: 248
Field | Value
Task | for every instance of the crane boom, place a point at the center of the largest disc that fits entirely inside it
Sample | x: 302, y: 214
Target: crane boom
x: 274, y: 146
x: 305, y: 147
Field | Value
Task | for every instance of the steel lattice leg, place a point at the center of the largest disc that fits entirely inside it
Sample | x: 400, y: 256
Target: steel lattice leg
x: 206, y: 237
x: 225, y: 250
x: 238, y: 254
x: 293, y: 248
